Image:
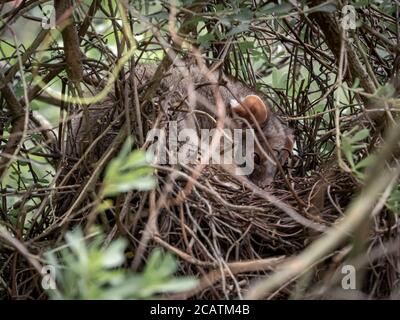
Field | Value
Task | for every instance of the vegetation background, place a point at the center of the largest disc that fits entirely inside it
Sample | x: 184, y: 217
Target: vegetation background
x: 119, y: 228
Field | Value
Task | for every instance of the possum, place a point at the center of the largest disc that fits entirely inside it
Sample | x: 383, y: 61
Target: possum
x: 185, y: 95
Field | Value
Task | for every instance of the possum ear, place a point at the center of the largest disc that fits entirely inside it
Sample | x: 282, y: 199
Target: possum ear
x: 253, y: 104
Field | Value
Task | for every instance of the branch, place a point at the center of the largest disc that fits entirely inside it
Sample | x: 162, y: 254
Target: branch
x: 73, y: 54
x: 17, y: 127
x: 234, y: 267
x: 20, y: 247
x: 183, y: 31
x: 333, y: 38
x: 28, y: 53
x: 380, y: 177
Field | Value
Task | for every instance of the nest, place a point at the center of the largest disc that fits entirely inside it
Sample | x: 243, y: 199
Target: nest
x: 222, y: 221
x: 221, y: 228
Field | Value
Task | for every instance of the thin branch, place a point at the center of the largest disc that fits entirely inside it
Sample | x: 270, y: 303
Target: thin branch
x: 358, y: 211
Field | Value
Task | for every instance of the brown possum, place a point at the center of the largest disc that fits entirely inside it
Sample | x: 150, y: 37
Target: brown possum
x: 183, y: 91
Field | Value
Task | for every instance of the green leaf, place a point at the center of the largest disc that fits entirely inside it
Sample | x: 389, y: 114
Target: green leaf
x: 135, y: 159
x: 162, y: 265
x: 356, y: 83
x: 143, y: 184
x: 244, y: 14
x: 366, y: 162
x: 324, y: 7
x: 114, y: 255
x: 275, y: 77
x: 87, y: 271
x: 173, y: 285
x: 177, y: 285
x: 386, y: 91
x: 280, y: 9
x: 360, y: 3
x: 243, y: 27
x: 126, y: 148
x: 76, y: 242
x: 105, y: 205
x: 246, y: 45
x: 128, y: 171
x: 205, y: 40
x: 360, y: 135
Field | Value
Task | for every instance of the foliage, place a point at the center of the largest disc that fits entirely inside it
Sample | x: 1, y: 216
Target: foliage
x: 276, y: 47
x: 352, y: 143
x: 128, y: 171
x: 88, y: 270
